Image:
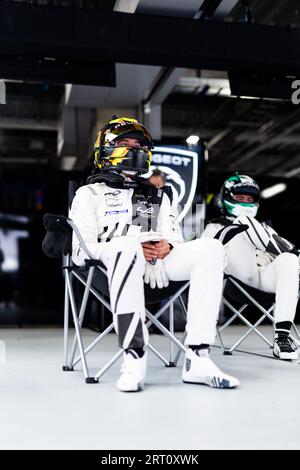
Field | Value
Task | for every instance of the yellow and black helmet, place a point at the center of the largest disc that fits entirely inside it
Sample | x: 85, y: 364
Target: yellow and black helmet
x: 109, y: 156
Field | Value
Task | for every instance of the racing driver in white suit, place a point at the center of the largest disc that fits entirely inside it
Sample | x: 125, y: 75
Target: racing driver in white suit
x: 259, y: 257
x: 128, y: 225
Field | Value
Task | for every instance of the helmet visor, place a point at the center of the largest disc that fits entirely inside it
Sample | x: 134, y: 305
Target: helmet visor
x: 247, y: 191
x: 133, y: 130
x: 124, y: 158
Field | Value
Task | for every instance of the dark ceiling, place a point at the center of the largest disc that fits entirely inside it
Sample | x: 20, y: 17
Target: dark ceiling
x: 251, y: 135
x: 260, y: 136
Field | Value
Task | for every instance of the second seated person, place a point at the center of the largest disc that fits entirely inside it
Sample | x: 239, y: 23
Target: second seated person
x: 259, y: 257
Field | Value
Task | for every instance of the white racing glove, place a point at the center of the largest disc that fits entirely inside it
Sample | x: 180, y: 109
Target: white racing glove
x: 155, y: 275
x: 263, y: 258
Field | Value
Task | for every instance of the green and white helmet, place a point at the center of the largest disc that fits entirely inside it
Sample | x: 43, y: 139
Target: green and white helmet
x: 239, y: 184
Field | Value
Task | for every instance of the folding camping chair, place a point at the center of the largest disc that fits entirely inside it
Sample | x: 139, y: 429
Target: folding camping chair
x: 246, y: 296
x: 63, y: 226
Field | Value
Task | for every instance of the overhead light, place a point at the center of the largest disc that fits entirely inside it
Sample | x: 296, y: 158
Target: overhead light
x: 2, y: 92
x: 246, y: 97
x: 147, y: 108
x: 126, y: 6
x: 192, y: 139
x: 206, y: 154
x: 225, y: 91
x: 291, y: 173
x: 273, y: 190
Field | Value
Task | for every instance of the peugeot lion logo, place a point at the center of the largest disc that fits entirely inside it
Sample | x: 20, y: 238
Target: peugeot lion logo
x: 181, y: 170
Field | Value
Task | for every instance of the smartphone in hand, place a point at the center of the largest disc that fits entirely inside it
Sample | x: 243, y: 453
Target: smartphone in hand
x: 153, y: 261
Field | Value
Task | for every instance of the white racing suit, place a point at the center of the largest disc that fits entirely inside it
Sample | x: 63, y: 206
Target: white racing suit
x: 262, y: 259
x: 105, y: 217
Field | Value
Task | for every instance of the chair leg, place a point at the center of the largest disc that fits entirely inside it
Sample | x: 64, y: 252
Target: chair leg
x: 183, y: 307
x: 81, y: 313
x: 114, y: 359
x: 107, y: 366
x: 78, y: 320
x: 88, y: 379
x: 221, y: 341
x: 94, y: 343
x: 164, y: 330
x: 171, y: 328
x: 166, y: 306
x: 160, y: 357
x: 184, y: 312
x: 179, y: 351
x: 235, y: 313
x: 297, y: 333
x: 66, y: 321
x: 233, y: 317
x: 251, y: 327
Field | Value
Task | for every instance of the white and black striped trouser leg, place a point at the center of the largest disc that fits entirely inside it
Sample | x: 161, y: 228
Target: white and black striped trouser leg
x: 125, y: 265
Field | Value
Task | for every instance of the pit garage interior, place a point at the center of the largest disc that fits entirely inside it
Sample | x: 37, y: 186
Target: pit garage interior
x: 225, y: 71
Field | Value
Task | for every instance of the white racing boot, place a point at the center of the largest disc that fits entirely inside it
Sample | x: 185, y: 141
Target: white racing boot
x: 201, y: 370
x: 133, y: 372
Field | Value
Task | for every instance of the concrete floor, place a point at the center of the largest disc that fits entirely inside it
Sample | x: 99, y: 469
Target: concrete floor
x: 42, y: 407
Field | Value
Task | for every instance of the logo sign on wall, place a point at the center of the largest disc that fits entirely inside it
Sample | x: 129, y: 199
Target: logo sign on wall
x: 181, y: 170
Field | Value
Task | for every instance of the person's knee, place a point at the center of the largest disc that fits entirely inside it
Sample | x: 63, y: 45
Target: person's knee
x: 288, y: 261
x: 215, y: 246
x: 211, y: 248
x: 127, y: 247
x: 129, y: 244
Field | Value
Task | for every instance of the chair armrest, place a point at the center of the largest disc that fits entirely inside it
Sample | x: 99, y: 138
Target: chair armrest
x: 94, y: 262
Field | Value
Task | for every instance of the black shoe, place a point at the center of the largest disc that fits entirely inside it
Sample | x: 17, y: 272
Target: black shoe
x: 285, y: 348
